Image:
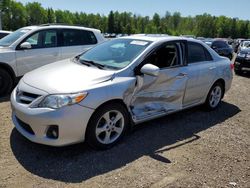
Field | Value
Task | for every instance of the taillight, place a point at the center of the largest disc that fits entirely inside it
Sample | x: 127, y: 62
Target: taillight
x: 231, y: 66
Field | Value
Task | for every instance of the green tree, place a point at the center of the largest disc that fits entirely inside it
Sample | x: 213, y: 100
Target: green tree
x: 51, y: 15
x: 36, y: 14
x: 111, y: 22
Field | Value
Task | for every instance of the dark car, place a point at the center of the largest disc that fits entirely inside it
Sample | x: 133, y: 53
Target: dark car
x: 222, y: 48
x: 4, y: 33
x: 242, y: 62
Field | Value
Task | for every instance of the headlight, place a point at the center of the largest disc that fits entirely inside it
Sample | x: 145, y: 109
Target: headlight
x: 58, y: 101
x: 248, y: 56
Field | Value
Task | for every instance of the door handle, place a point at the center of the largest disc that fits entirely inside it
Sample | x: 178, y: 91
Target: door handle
x: 181, y: 75
x: 211, y: 68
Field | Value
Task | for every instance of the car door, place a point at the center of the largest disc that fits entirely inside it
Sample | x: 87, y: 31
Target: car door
x: 157, y: 95
x: 44, y: 50
x: 75, y: 41
x: 201, y: 71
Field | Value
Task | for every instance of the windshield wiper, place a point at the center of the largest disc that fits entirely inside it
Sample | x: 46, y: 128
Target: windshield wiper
x: 87, y: 62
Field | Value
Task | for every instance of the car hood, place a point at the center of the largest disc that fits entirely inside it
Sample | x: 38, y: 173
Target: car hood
x: 66, y: 77
x: 245, y: 50
x: 4, y: 49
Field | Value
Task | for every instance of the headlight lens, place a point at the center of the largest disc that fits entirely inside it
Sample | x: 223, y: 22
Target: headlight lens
x: 58, y: 101
x: 248, y: 55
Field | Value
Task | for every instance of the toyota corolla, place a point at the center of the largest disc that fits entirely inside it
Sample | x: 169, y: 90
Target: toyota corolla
x: 96, y: 96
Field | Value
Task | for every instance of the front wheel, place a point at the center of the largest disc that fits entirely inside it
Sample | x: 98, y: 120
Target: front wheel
x: 6, y: 82
x: 214, y: 96
x: 107, y: 126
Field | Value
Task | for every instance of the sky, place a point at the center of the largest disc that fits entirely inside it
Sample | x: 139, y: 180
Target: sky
x: 230, y: 8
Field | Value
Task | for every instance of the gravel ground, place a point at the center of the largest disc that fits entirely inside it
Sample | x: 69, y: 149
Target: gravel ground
x: 193, y: 148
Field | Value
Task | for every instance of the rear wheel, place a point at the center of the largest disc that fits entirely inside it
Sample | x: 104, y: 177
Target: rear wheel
x: 107, y: 126
x: 6, y: 82
x: 214, y: 96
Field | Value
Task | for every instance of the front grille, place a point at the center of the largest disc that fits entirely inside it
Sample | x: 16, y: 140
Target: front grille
x: 25, y: 126
x: 25, y: 97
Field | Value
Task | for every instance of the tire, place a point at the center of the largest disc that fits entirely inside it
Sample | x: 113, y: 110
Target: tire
x: 6, y: 82
x: 107, y: 126
x: 214, y: 96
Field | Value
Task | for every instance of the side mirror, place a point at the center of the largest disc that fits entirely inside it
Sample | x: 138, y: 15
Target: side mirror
x: 150, y: 69
x: 25, y: 45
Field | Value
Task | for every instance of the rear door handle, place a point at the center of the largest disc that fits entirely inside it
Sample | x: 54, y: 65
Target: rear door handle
x: 181, y: 75
x: 211, y: 68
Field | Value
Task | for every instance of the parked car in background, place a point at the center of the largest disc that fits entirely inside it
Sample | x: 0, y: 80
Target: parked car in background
x: 31, y: 47
x: 208, y: 41
x: 242, y: 62
x: 4, y: 33
x: 97, y: 95
x: 243, y: 45
x: 222, y: 48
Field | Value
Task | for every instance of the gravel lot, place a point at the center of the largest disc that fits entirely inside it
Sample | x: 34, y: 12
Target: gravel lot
x: 193, y: 148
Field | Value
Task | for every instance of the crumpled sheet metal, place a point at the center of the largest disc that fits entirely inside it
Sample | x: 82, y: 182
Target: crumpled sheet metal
x: 150, y: 96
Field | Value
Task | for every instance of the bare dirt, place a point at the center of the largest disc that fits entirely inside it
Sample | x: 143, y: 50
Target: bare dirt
x: 193, y: 148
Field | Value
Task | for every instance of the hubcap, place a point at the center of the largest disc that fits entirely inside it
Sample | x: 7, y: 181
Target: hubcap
x: 109, y: 127
x: 215, y: 96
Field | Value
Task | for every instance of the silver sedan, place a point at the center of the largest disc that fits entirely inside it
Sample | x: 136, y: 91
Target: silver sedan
x: 99, y: 94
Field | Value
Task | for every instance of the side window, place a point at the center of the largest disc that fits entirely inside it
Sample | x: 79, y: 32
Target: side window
x: 165, y: 57
x: 35, y: 40
x: 88, y: 38
x: 197, y: 53
x: 50, y: 39
x: 73, y: 37
x: 43, y: 39
x: 220, y: 44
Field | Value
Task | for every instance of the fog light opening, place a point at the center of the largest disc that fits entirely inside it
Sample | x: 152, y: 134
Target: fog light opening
x: 52, y: 132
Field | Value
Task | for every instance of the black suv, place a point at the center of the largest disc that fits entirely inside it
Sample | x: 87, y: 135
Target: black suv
x: 242, y: 62
x: 222, y: 48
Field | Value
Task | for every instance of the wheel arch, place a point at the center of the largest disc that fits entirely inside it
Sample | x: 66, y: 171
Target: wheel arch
x: 9, y: 69
x: 115, y: 101
x: 222, y: 81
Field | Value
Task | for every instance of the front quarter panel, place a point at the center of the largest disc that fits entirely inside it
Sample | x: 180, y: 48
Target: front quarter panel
x: 8, y: 57
x: 110, y: 90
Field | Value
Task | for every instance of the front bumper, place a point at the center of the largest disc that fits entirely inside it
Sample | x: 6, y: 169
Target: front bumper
x: 71, y: 121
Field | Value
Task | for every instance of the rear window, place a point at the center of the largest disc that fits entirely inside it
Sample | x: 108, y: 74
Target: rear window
x: 220, y: 44
x: 3, y: 35
x: 73, y: 37
x: 197, y: 53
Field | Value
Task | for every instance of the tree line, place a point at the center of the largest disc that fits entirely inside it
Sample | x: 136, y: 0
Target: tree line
x: 15, y: 15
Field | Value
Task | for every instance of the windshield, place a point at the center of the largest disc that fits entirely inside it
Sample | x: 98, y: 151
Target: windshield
x: 246, y: 44
x: 11, y: 38
x: 115, y: 54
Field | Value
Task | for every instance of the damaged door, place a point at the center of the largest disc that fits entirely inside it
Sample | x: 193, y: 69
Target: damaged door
x: 162, y: 94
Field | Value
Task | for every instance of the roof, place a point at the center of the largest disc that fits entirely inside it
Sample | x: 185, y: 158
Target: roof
x: 158, y: 37
x: 60, y: 26
x: 2, y: 31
